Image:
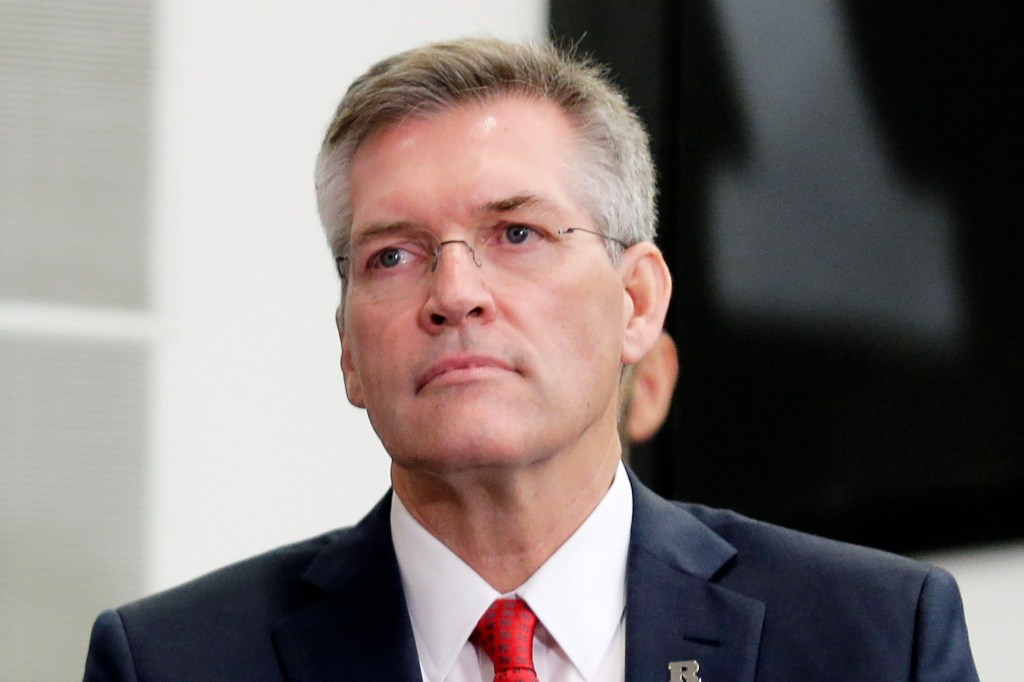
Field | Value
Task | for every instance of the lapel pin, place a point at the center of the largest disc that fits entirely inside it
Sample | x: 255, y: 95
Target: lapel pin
x: 683, y: 671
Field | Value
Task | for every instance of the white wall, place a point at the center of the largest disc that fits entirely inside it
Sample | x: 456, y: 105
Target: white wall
x: 253, y: 442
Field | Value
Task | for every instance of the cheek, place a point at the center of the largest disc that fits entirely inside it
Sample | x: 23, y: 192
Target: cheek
x: 375, y: 347
x: 599, y: 308
x: 588, y: 330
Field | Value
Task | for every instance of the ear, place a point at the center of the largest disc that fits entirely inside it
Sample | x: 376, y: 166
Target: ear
x: 648, y: 288
x: 654, y: 381
x: 353, y: 386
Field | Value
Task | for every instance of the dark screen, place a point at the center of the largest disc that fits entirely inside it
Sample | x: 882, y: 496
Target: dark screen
x: 839, y: 207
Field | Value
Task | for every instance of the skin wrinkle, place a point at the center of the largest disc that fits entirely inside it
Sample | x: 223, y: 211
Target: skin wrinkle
x: 518, y: 547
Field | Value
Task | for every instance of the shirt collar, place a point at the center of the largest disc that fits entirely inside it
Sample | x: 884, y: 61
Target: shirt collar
x: 579, y: 593
x: 445, y: 596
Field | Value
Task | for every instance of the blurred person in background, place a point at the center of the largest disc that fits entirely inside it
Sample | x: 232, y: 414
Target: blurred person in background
x: 647, y: 393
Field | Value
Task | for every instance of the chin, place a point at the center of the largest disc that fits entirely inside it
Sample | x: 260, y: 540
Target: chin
x: 461, y: 435
x: 464, y: 452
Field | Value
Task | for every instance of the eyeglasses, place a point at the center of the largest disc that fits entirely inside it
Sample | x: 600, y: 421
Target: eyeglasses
x: 394, y: 263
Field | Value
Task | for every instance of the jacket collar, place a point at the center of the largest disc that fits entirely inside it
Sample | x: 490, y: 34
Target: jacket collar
x: 675, y: 611
x: 359, y: 629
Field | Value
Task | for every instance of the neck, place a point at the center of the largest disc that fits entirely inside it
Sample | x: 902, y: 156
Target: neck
x: 506, y: 521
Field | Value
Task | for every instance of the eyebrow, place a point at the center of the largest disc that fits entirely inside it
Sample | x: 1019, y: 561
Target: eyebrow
x: 374, y: 230
x: 516, y: 201
x: 504, y: 205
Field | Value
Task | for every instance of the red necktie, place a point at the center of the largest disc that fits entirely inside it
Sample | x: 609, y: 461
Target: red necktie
x: 505, y: 632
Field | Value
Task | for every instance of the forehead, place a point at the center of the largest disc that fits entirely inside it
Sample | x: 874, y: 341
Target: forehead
x: 454, y: 161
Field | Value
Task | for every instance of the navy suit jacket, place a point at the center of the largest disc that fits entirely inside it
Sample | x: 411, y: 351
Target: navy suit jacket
x: 747, y: 600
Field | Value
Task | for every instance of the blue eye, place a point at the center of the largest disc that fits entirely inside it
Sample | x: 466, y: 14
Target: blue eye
x: 518, y: 234
x: 388, y: 258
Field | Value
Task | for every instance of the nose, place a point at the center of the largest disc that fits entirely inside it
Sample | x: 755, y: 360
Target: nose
x: 458, y: 292
x: 440, y: 248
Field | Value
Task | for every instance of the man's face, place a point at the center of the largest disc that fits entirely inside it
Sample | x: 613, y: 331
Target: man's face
x: 469, y: 366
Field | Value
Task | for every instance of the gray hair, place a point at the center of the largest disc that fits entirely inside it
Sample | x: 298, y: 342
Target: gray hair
x: 614, y: 178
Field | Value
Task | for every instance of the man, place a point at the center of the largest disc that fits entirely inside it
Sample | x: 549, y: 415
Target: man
x: 491, y: 210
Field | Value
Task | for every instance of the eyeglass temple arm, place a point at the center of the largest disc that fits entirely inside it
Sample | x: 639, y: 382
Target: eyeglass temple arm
x: 570, y: 230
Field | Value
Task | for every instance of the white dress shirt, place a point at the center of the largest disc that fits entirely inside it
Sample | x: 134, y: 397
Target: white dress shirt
x: 578, y: 594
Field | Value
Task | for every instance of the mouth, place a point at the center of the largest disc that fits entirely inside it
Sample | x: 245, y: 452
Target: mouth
x: 461, y: 369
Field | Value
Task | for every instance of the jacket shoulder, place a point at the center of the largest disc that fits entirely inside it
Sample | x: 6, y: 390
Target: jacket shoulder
x: 222, y: 625
x: 214, y: 627
x: 772, y: 544
x: 261, y: 585
x: 844, y: 598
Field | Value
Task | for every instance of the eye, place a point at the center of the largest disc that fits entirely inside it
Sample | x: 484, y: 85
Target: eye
x: 389, y: 258
x: 518, y: 233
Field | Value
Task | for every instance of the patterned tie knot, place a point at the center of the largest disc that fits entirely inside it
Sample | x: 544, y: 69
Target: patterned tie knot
x: 505, y: 632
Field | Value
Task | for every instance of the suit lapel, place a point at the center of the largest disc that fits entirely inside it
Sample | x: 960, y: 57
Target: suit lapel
x: 674, y: 609
x: 358, y: 628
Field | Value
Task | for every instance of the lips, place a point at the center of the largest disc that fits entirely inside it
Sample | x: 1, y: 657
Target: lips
x: 460, y: 363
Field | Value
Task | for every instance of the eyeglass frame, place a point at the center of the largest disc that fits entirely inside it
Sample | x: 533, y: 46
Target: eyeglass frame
x: 340, y: 261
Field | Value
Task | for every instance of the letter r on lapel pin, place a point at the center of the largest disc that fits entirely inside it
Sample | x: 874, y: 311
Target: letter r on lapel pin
x: 683, y: 671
